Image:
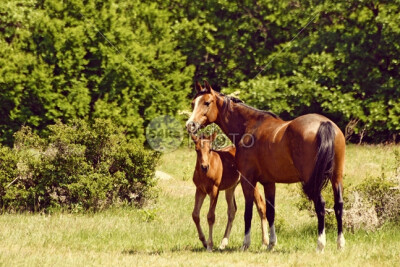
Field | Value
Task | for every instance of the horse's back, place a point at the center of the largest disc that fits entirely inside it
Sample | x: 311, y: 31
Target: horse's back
x: 304, y: 130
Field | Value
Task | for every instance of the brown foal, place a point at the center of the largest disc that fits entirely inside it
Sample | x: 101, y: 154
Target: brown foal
x: 216, y: 171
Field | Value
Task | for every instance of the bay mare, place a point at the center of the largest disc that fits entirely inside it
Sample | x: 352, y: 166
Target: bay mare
x: 216, y: 171
x: 309, y: 149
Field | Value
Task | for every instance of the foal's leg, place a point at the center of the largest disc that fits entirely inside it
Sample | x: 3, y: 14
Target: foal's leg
x: 232, y: 208
x: 320, y: 210
x: 211, y: 216
x: 338, y: 194
x: 199, y: 198
x: 261, y: 208
x: 269, y: 190
x: 248, y: 192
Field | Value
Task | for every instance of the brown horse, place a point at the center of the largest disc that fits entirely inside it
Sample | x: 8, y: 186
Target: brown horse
x: 309, y: 149
x: 216, y: 171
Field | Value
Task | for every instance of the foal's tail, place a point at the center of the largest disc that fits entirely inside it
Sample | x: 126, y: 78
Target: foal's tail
x: 323, y: 169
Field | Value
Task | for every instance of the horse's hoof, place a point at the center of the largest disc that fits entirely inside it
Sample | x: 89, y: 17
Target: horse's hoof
x: 203, y: 241
x: 320, y: 247
x: 321, y: 242
x: 246, y: 242
x: 272, y: 243
x: 224, y: 243
x: 209, y: 249
x: 271, y: 246
x: 341, y: 242
x: 244, y: 248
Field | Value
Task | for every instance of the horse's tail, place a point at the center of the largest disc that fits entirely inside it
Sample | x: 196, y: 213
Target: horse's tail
x: 323, y: 169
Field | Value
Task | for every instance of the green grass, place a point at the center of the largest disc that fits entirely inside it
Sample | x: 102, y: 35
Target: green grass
x: 164, y: 234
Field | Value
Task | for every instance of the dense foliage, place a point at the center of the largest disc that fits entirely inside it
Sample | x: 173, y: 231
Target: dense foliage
x: 338, y: 58
x: 133, y: 60
x: 77, y: 167
x: 91, y: 59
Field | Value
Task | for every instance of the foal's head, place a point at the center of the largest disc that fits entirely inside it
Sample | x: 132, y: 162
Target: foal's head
x: 204, y: 107
x: 203, y: 147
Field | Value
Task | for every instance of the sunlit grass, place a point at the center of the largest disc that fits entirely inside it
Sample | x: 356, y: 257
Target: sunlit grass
x: 164, y: 234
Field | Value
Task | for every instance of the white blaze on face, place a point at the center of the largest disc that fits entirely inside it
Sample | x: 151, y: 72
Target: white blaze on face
x: 196, y: 105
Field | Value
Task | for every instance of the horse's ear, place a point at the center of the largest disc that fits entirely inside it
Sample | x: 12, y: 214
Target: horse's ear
x: 207, y: 86
x: 198, y: 87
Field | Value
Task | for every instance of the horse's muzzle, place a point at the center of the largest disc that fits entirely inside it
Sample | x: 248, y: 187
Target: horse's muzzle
x: 205, y: 168
x: 192, y: 127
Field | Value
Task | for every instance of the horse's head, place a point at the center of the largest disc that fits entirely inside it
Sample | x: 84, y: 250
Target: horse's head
x: 204, y: 106
x: 203, y: 147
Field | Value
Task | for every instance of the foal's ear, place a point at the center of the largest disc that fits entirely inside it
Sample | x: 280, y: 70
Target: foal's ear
x: 194, y: 137
x: 213, y: 136
x: 207, y: 87
x: 198, y: 86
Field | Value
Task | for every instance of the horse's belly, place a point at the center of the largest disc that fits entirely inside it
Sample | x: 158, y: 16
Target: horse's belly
x: 279, y: 170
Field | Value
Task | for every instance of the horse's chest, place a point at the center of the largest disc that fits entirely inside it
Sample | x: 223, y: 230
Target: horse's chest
x: 204, y: 183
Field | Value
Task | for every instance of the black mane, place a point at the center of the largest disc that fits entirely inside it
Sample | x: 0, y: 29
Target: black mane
x: 234, y: 99
x: 238, y: 101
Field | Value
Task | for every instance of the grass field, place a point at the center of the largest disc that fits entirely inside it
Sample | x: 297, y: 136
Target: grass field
x: 164, y: 235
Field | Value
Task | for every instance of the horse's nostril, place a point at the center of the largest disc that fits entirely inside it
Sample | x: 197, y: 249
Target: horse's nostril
x: 191, y: 127
x: 204, y: 168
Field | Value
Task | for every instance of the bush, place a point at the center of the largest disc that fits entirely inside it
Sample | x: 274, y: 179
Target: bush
x: 375, y: 201
x: 78, y: 166
x: 377, y: 196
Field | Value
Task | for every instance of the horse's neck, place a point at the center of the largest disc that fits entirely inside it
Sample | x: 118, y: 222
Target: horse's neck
x: 233, y: 119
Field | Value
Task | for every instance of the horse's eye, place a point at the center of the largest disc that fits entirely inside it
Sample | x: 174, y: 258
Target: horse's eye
x: 207, y: 103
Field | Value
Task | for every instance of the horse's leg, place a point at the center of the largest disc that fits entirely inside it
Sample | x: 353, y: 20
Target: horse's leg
x: 248, y: 187
x: 320, y: 210
x: 269, y: 190
x: 232, y: 208
x: 211, y: 216
x: 261, y: 208
x: 199, y: 198
x: 337, y: 186
x: 338, y: 207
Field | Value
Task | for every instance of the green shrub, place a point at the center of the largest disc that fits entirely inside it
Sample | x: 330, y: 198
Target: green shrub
x: 383, y: 194
x: 78, y: 166
x: 375, y: 201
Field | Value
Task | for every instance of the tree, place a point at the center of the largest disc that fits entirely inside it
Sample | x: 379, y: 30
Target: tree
x: 98, y: 59
x: 340, y: 59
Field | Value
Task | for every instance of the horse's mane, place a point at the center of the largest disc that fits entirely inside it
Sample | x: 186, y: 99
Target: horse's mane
x: 239, y: 101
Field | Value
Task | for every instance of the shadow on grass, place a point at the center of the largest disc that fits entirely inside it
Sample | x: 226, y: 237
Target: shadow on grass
x: 199, y: 249
x: 292, y: 241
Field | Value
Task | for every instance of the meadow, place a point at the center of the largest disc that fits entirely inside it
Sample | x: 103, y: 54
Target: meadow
x: 163, y: 234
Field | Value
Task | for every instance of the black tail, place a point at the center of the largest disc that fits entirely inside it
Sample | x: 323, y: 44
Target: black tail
x: 323, y: 169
